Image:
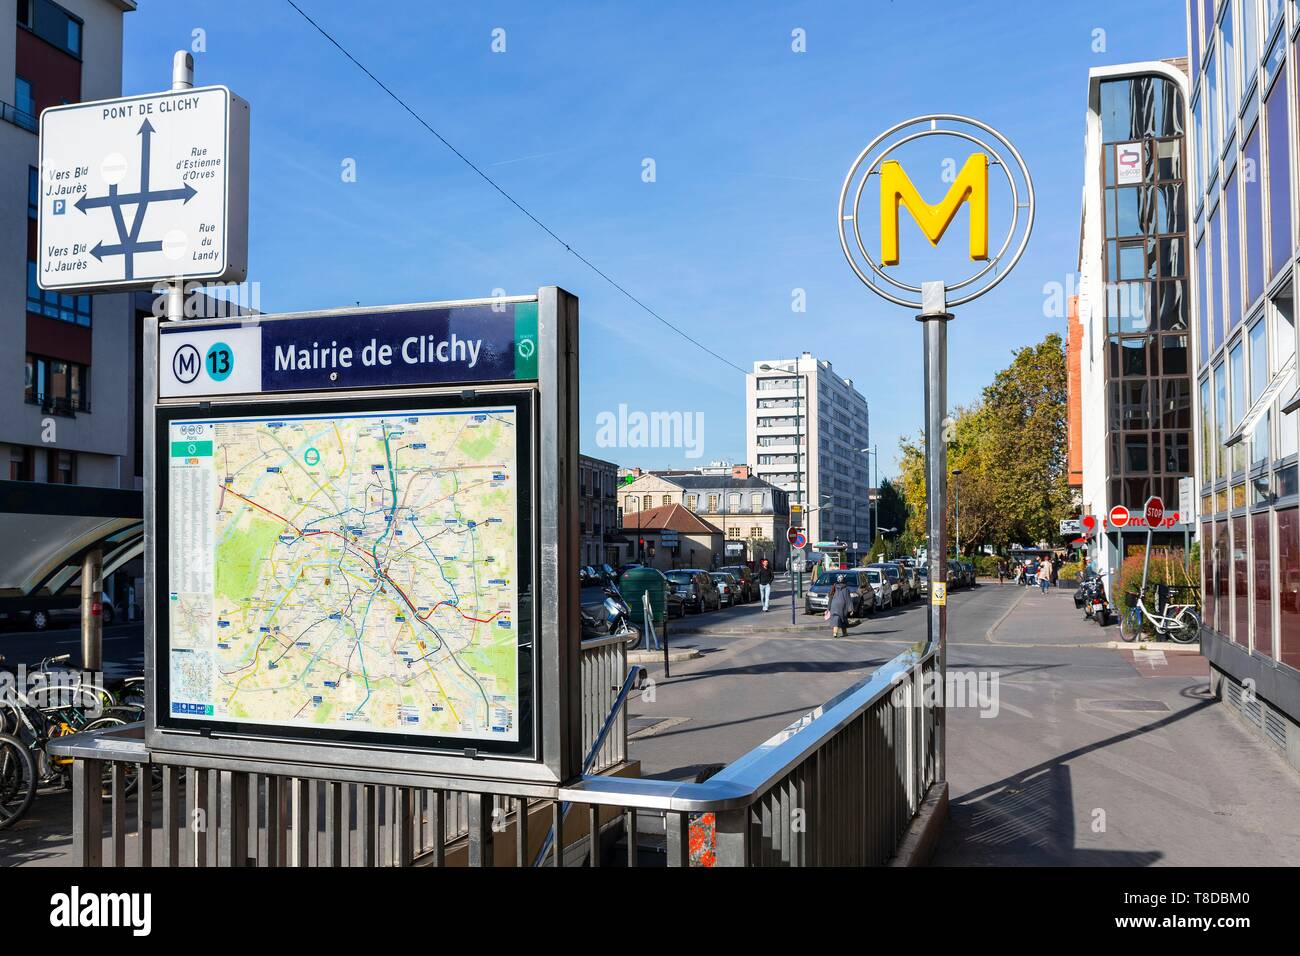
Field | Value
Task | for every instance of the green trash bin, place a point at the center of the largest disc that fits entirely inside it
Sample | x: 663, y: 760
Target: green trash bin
x: 640, y: 581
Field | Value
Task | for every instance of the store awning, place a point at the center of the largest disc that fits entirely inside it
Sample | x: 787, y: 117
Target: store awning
x: 46, y: 530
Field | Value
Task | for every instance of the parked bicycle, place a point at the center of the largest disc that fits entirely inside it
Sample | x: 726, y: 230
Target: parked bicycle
x: 31, y: 718
x: 1178, y: 622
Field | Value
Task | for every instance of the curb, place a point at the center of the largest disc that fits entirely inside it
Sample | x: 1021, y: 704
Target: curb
x: 1193, y: 648
x: 657, y: 657
x: 922, y: 836
x: 988, y: 635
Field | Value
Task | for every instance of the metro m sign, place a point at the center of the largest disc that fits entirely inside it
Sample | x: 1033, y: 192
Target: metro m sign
x: 971, y: 185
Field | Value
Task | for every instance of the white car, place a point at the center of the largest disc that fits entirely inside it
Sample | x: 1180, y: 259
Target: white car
x: 881, y: 587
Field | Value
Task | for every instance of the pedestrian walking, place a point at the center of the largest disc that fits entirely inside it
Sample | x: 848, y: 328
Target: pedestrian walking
x: 838, y: 608
x: 1044, y: 575
x: 1002, y: 571
x: 765, y: 582
x: 1056, y: 571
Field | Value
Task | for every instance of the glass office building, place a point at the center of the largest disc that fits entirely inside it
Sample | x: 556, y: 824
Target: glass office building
x: 1133, y: 340
x: 1243, y: 111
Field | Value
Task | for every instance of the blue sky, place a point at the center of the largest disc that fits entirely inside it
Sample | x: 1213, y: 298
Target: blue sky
x: 750, y: 142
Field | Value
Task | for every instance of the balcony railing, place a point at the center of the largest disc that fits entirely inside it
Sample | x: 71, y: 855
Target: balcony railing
x: 12, y: 114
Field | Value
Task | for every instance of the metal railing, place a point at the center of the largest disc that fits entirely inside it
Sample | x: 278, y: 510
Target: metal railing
x: 837, y: 787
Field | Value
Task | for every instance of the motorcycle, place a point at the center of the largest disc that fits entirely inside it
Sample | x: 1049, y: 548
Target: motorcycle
x: 1091, y: 597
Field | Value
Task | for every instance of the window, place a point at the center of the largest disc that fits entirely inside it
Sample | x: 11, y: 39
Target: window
x: 1221, y: 620
x: 56, y: 305
x: 755, y: 533
x: 1288, y: 562
x: 53, y: 24
x: 1259, y: 378
x: 24, y: 104
x: 756, y: 502
x: 645, y: 502
x: 1228, y: 49
x: 630, y: 503
x: 54, y: 384
x: 1253, y: 217
x: 1279, y: 177
x: 1249, y: 45
x: 1207, y: 572
x: 1212, y: 114
x: 1207, y: 439
x: 1213, y: 238
x: 667, y: 500
x: 20, y: 463
x: 713, y: 504
x: 1232, y: 251
x: 1240, y: 571
x: 1237, y: 369
x: 1283, y: 349
x: 1263, y: 580
x: 1220, y: 420
x: 692, y: 502
x: 1203, y: 281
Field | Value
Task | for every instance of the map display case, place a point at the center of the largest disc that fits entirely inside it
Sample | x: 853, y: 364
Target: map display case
x: 358, y: 545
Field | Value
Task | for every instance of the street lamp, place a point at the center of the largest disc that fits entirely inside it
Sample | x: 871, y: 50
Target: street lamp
x: 956, y: 487
x: 873, y: 464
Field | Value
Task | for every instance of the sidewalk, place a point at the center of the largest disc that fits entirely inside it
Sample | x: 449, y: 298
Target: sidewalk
x: 1095, y: 756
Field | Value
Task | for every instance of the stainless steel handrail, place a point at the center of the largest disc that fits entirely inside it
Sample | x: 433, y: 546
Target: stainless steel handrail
x: 741, y: 782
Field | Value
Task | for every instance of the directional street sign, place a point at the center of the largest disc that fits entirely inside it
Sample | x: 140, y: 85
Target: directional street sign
x: 144, y: 189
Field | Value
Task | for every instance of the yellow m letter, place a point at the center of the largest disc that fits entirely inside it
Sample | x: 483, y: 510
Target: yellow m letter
x: 972, y: 186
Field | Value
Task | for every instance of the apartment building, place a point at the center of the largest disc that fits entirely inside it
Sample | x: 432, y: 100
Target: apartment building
x: 66, y: 402
x: 807, y: 430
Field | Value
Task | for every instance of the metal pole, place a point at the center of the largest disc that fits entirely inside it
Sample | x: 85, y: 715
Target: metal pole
x: 182, y: 79
x: 934, y: 321
x: 92, y: 614
x: 801, y: 461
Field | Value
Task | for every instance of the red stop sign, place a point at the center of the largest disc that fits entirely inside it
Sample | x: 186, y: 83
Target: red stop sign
x: 1155, y: 512
x: 1119, y: 516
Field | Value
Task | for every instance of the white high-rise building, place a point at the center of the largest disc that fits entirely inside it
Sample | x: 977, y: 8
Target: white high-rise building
x: 805, y: 431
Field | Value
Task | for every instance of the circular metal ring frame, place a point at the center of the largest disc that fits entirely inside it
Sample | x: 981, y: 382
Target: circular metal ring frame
x: 852, y: 214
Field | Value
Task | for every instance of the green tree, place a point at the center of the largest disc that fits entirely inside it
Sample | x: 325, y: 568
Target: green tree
x: 1010, y: 450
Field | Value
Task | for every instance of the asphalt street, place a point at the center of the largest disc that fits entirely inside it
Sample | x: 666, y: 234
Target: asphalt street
x: 758, y: 673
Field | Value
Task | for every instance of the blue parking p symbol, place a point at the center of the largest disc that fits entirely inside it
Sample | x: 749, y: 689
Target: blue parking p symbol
x: 60, y: 207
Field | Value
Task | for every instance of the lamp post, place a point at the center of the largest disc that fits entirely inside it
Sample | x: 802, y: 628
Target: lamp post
x: 873, y: 468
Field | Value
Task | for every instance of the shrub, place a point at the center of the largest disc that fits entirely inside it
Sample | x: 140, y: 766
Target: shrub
x: 1166, y: 567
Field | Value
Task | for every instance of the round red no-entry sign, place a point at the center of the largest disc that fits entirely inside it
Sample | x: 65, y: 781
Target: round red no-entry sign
x: 1155, y: 511
x: 1119, y: 516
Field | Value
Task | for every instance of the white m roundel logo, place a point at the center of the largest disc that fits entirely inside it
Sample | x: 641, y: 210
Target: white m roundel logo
x: 186, y: 364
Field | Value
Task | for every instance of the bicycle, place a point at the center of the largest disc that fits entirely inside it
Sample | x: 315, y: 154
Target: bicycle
x: 45, y: 714
x: 17, y: 780
x: 1179, y: 622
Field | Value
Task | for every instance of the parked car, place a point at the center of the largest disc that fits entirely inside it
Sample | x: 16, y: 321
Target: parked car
x: 698, y: 590
x: 746, y: 579
x: 895, y: 576
x: 881, y: 591
x: 911, y: 587
x: 728, y: 587
x: 923, y: 580
x: 971, y: 574
x: 58, y: 611
x: 861, y: 593
x: 956, y: 575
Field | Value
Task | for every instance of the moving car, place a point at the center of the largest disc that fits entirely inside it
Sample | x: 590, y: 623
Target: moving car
x: 697, y: 589
x: 861, y: 593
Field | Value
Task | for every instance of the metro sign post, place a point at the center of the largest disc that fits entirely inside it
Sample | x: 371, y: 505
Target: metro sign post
x: 970, y: 187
